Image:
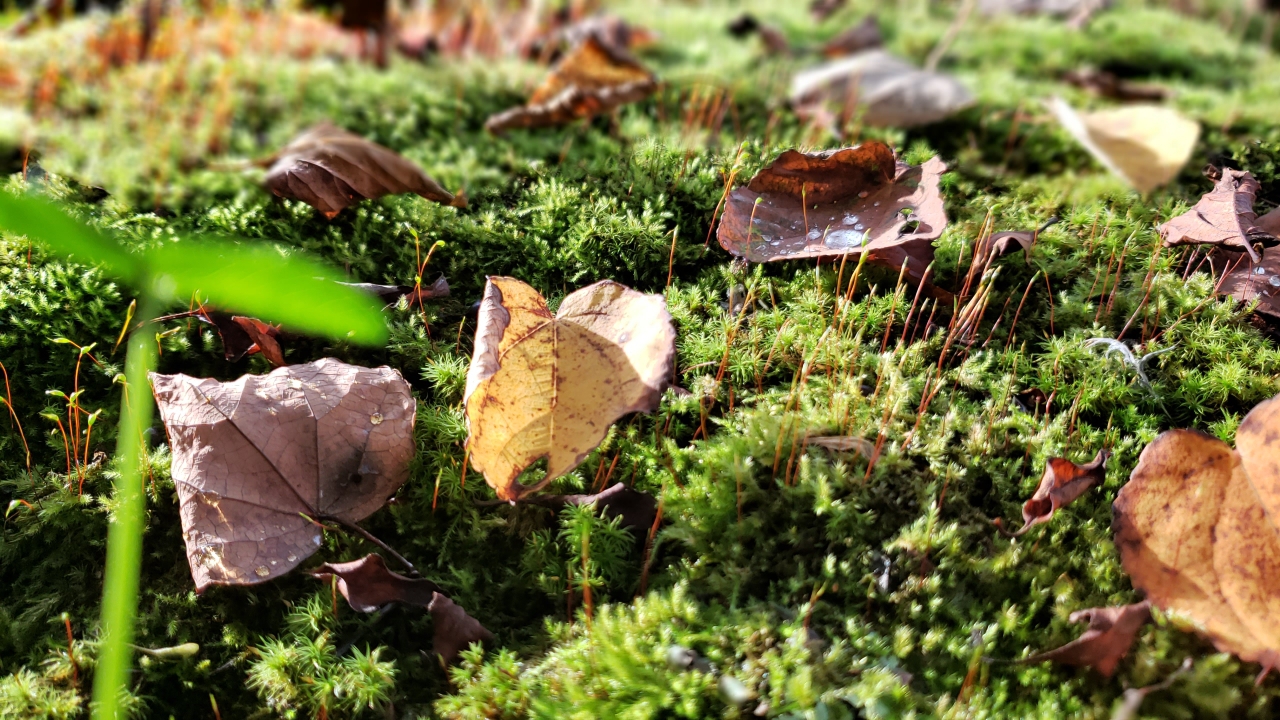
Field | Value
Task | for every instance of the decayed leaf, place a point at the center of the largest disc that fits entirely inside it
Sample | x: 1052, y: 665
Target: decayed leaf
x: 1224, y: 216
x: 1196, y: 530
x: 330, y: 169
x: 807, y: 205
x: 549, y: 386
x: 391, y: 294
x: 590, y: 80
x: 887, y: 91
x: 241, y: 336
x: 1002, y: 243
x: 1063, y: 482
x: 265, y: 338
x: 863, y: 36
x: 1261, y: 282
x: 845, y: 443
x: 252, y: 456
x: 1145, y: 145
x: 1107, y: 640
x: 367, y: 584
x: 455, y: 630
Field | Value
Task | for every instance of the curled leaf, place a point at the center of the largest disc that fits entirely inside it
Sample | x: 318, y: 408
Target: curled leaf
x: 240, y: 335
x: 1007, y: 241
x: 367, y: 584
x: 887, y: 91
x: 1105, y: 642
x: 254, y: 458
x: 455, y: 630
x: 265, y: 338
x: 637, y: 509
x: 1224, y: 216
x: 774, y: 40
x: 330, y: 169
x: 544, y: 386
x: 1145, y: 145
x: 1062, y: 483
x: 849, y: 201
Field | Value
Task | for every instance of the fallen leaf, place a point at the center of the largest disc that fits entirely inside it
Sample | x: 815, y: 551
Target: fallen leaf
x: 1105, y: 642
x: 241, y: 336
x: 1259, y: 282
x: 455, y: 630
x: 367, y: 584
x: 391, y: 294
x: 1223, y: 216
x: 1062, y: 483
x: 845, y: 443
x: 823, y: 9
x: 637, y: 509
x: 265, y: 338
x: 774, y: 40
x: 608, y: 29
x: 1002, y: 243
x: 847, y: 201
x: 330, y: 169
x: 590, y: 80
x: 863, y: 36
x: 364, y: 14
x: 1196, y: 532
x: 1108, y: 85
x: 544, y: 386
x: 252, y: 456
x: 1145, y: 145
x: 888, y: 91
x: 1057, y: 8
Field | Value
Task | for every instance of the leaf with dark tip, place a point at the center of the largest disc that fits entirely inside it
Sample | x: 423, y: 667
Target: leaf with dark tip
x: 254, y: 458
x: 1247, y: 282
x: 848, y: 201
x: 1062, y: 483
x: 265, y: 339
x: 330, y: 169
x: 1224, y: 216
x: 455, y: 630
x: 592, y: 79
x: 367, y: 584
x: 879, y: 89
x: 863, y: 36
x: 1105, y: 642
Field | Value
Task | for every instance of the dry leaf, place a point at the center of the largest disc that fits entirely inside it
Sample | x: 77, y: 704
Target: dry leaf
x: 1224, y: 216
x: 1108, y: 85
x: 367, y: 584
x: 608, y: 29
x: 1248, y: 282
x: 823, y: 9
x: 1196, y: 532
x: 330, y: 169
x: 845, y: 443
x: 391, y: 294
x: 835, y: 203
x: 774, y: 40
x: 1107, y: 640
x: 1145, y: 145
x: 1002, y: 243
x: 637, y: 509
x: 265, y: 339
x: 590, y: 80
x: 863, y: 36
x: 241, y: 336
x: 887, y: 91
x: 543, y: 386
x: 455, y: 630
x: 1062, y: 483
x: 252, y: 456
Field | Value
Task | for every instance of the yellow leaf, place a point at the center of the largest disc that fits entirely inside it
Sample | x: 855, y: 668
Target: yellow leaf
x: 1146, y: 145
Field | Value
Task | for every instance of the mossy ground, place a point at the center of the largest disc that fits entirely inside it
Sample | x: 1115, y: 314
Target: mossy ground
x: 826, y: 589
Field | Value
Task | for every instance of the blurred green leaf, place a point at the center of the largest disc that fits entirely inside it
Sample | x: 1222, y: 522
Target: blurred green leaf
x: 43, y: 222
x: 259, y: 280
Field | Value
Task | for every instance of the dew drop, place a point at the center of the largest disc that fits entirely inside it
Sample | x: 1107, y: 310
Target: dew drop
x: 292, y: 558
x: 863, y: 194
x: 1259, y: 270
x: 1274, y: 281
x: 844, y: 239
x: 859, y: 226
x: 850, y: 219
x: 376, y: 418
x: 814, y: 233
x: 296, y: 384
x: 262, y: 571
x: 875, y: 204
x: 624, y: 337
x: 755, y: 221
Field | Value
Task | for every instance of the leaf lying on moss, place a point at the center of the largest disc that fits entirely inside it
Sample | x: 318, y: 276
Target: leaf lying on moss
x: 549, y: 386
x: 1062, y: 483
x: 391, y: 294
x: 774, y: 40
x: 330, y: 169
x: 1007, y: 241
x: 265, y: 338
x: 1105, y: 642
x: 1145, y: 145
x: 455, y: 630
x: 592, y: 79
x: 1108, y: 85
x: 252, y: 456
x: 367, y: 584
x: 1195, y: 530
x: 823, y: 9
x: 886, y: 90
x: 1224, y: 216
x: 849, y: 201
x: 845, y: 443
x: 637, y: 509
x: 1261, y: 282
x: 241, y: 336
x: 863, y: 36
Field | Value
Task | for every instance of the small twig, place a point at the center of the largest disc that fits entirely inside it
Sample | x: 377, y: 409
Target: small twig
x: 347, y: 525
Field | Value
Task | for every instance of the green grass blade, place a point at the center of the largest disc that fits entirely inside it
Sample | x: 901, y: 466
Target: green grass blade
x: 44, y: 222
x: 260, y: 281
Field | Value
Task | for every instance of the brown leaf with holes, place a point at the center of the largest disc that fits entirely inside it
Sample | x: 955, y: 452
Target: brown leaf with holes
x: 1196, y: 527
x: 1105, y: 642
x: 1247, y: 282
x: 863, y: 36
x: 1062, y: 483
x: 455, y: 630
x: 253, y: 456
x: 849, y: 201
x: 331, y: 169
x: 549, y: 386
x: 1224, y: 216
x: 367, y: 584
x: 592, y: 79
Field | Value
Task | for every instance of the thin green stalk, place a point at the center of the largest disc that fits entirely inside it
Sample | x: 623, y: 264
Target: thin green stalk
x: 124, y: 537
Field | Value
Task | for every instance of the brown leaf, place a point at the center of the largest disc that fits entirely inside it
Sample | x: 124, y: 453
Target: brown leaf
x: 367, y: 584
x: 240, y: 335
x: 1108, y: 85
x: 1247, y: 282
x: 863, y: 36
x: 1002, y: 243
x: 823, y: 9
x: 611, y: 30
x: 1196, y: 532
x: 455, y: 630
x: 265, y: 339
x: 252, y: 456
x: 1144, y: 145
x: 543, y: 386
x: 853, y: 202
x: 590, y: 80
x: 364, y: 14
x: 878, y: 88
x: 1224, y: 216
x: 845, y: 443
x: 1062, y: 483
x: 774, y: 40
x: 330, y: 169
x: 1105, y: 642
x: 637, y: 509
x: 391, y: 294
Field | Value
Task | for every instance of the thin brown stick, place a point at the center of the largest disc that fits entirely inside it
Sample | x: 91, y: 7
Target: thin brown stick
x: 352, y: 527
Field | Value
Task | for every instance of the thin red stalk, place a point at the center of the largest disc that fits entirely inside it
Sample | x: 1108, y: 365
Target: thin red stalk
x: 1014, y: 326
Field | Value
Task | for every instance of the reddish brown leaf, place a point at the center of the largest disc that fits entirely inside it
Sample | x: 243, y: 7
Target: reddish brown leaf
x: 368, y: 585
x: 239, y: 335
x: 1063, y: 482
x: 1105, y: 642
x: 1224, y: 216
x: 1003, y: 243
x: 608, y: 29
x: 590, y: 80
x: 863, y: 36
x: 455, y: 630
x: 265, y: 339
x: 637, y: 509
x: 774, y: 40
x: 253, y: 456
x: 854, y: 200
x: 1247, y: 282
x: 330, y: 169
